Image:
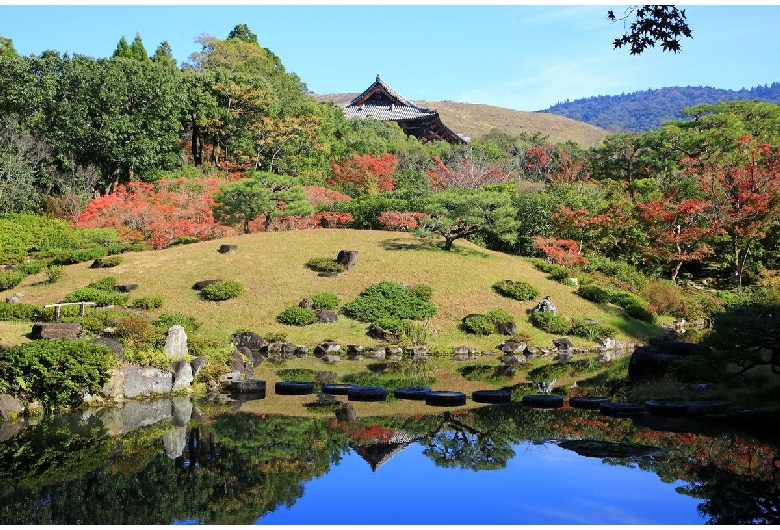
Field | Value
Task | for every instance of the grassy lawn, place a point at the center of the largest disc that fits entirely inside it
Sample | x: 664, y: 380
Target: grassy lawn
x: 271, y: 266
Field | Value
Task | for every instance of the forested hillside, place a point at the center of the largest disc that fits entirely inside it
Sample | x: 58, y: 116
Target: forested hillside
x: 648, y: 109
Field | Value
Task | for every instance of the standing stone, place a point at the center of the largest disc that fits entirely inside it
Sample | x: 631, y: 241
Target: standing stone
x: 176, y: 343
x: 348, y: 258
x: 182, y: 376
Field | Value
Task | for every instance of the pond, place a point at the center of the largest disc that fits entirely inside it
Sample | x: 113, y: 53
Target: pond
x: 182, y: 461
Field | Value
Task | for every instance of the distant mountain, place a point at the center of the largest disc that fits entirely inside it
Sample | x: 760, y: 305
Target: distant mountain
x: 648, y: 109
x: 474, y: 120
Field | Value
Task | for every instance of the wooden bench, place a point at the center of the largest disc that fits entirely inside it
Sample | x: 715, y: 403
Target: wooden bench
x: 57, y: 307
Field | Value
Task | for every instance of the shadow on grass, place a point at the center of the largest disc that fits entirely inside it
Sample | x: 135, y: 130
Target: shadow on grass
x: 429, y: 245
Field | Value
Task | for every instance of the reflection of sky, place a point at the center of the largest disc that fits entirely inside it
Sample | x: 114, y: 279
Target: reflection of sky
x: 542, y: 484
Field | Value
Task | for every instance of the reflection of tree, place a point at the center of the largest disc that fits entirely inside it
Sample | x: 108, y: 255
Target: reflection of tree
x: 455, y: 444
x: 730, y: 498
x: 234, y: 470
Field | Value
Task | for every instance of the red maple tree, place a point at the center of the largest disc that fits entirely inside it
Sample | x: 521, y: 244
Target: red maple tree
x: 367, y: 173
x: 160, y: 213
x: 467, y: 172
x: 563, y: 252
x: 744, y: 194
x: 678, y: 230
x: 400, y: 221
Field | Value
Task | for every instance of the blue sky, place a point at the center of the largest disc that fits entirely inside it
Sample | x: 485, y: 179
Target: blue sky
x: 523, y: 57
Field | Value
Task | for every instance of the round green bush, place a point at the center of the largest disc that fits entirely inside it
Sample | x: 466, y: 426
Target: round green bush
x: 29, y: 312
x: 9, y: 280
x: 297, y: 316
x: 325, y: 301
x: 640, y: 313
x: 147, y: 303
x: 549, y: 322
x: 166, y: 320
x: 479, y: 325
x: 99, y: 296
x: 222, y: 290
x: 594, y: 293
x: 421, y: 291
x: 107, y: 261
x: 105, y: 284
x: 56, y: 372
x: 486, y: 324
x: 517, y: 290
x: 326, y: 265
x: 388, y: 300
x: 591, y: 330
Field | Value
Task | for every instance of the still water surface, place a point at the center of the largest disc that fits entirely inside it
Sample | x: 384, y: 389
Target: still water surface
x: 178, y: 461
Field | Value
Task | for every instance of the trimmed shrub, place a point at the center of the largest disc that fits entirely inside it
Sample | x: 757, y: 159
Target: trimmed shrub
x: 591, y: 330
x: 297, y: 316
x: 325, y: 265
x: 517, y: 290
x: 625, y: 299
x: 147, y: 303
x: 55, y: 372
x: 29, y: 312
x: 166, y: 320
x: 69, y: 257
x: 222, y: 290
x: 107, y: 261
x: 54, y: 273
x: 9, y: 280
x: 421, y: 291
x: 31, y: 267
x: 104, y: 284
x: 328, y: 301
x: 486, y: 324
x: 550, y: 322
x: 139, y: 332
x: 640, y: 313
x: 594, y: 294
x: 479, y: 325
x: 101, y: 297
x: 619, y: 270
x: 388, y: 300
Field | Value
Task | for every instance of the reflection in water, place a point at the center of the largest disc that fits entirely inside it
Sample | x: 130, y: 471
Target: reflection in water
x: 175, y: 460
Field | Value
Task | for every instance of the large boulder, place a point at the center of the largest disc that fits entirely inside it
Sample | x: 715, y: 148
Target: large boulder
x: 203, y: 283
x: 326, y: 315
x: 252, y: 345
x: 506, y: 328
x: 348, y: 258
x: 114, y: 345
x: 55, y: 330
x: 10, y: 406
x: 135, y: 381
x: 546, y: 304
x: 655, y: 360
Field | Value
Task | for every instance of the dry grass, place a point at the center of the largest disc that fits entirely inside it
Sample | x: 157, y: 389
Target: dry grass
x: 475, y: 120
x: 271, y: 268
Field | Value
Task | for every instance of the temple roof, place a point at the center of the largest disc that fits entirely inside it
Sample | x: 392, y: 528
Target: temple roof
x: 381, y: 102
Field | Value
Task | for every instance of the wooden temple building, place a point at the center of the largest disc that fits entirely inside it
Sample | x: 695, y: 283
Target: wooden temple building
x: 381, y: 102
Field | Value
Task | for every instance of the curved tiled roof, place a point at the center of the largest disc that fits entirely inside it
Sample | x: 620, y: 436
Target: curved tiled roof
x: 381, y: 102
